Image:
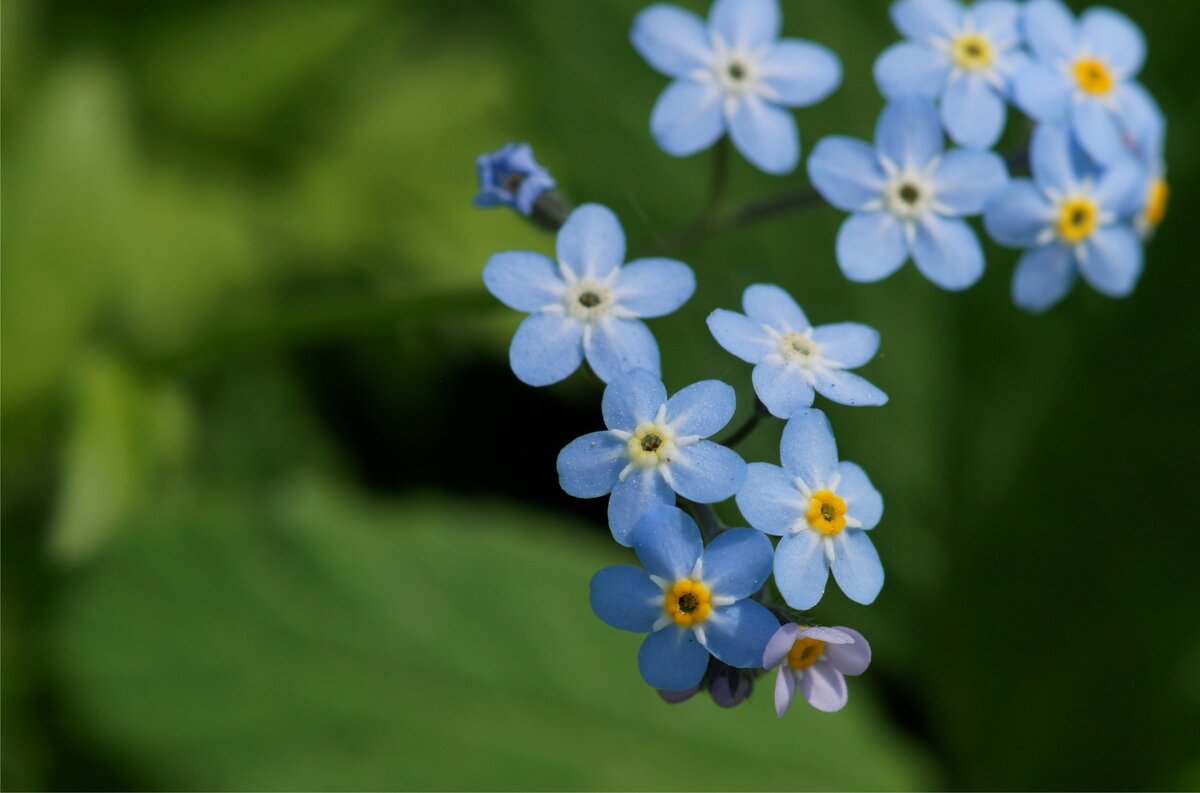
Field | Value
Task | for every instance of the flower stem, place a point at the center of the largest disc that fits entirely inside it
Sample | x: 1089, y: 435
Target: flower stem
x: 740, y: 434
x: 706, y: 517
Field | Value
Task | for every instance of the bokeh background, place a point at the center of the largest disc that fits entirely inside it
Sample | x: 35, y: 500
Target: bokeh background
x: 276, y: 514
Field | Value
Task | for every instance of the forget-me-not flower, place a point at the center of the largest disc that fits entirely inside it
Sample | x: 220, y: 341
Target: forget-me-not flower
x: 588, y: 304
x: 653, y: 448
x: 792, y: 360
x: 1148, y: 133
x: 733, y: 74
x: 815, y: 660
x: 964, y: 56
x: 907, y: 196
x: 690, y: 600
x: 511, y: 177
x: 822, y: 508
x: 1071, y: 217
x: 1082, y: 73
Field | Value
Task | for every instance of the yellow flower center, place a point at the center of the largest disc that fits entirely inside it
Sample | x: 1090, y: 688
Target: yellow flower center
x: 973, y: 51
x: 688, y: 602
x: 805, y: 652
x: 650, y: 445
x: 1077, y: 219
x: 827, y: 512
x: 1156, y: 205
x: 1093, y: 76
x: 797, y: 346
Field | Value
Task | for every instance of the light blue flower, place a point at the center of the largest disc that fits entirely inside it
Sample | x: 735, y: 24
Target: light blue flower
x: 691, y: 600
x: 822, y: 508
x: 793, y: 360
x: 816, y: 661
x: 1071, y: 218
x: 586, y: 305
x: 511, y: 177
x: 1148, y: 131
x: 733, y: 74
x: 965, y: 57
x: 908, y: 197
x: 1082, y: 73
x: 653, y: 448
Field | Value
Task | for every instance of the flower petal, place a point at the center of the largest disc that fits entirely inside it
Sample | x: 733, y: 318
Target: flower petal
x: 948, y: 252
x: 1098, y: 131
x: 1111, y: 35
x: 706, y: 472
x: 654, y: 287
x: 1122, y: 188
x: 770, y: 305
x: 765, y: 134
x: 824, y: 687
x: 625, y: 598
x: 910, y: 68
x: 668, y: 543
x: 852, y: 658
x: 618, y: 346
x: 909, y: 132
x: 591, y: 241
x: 1018, y: 214
x: 641, y: 492
x: 800, y: 73
x: 1043, y: 277
x: 671, y: 659
x: 973, y: 112
x: 808, y: 449
x: 783, y: 388
x: 687, y: 117
x: 1042, y: 92
x: 740, y: 335
x: 1113, y: 262
x: 847, y: 388
x: 856, y: 566
x: 523, y: 280
x: 737, y: 563
x: 745, y: 24
x: 785, y: 690
x: 546, y: 348
x: 871, y: 246
x: 780, y: 645
x: 1049, y: 30
x: 999, y: 20
x: 922, y: 20
x: 702, y: 408
x: 769, y: 499
x: 632, y: 399
x: 738, y: 634
x: 1053, y: 158
x: 863, y: 501
x: 851, y: 344
x: 672, y: 40
x: 801, y: 571
x: 588, y: 466
x: 846, y: 172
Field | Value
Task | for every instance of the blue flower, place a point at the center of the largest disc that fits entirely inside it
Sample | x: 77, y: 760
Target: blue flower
x: 1148, y: 132
x: 1082, y: 74
x: 587, y: 305
x: 966, y: 57
x: 1070, y: 218
x: 907, y: 196
x: 732, y: 75
x: 822, y: 508
x: 511, y: 177
x: 653, y: 448
x: 793, y: 360
x: 691, y: 600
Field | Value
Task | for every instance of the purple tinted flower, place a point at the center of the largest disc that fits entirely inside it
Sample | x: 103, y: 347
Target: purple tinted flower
x: 511, y: 177
x: 816, y: 661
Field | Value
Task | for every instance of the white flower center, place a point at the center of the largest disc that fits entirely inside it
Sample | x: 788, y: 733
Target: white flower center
x: 736, y: 74
x: 908, y: 194
x: 589, y: 300
x: 652, y: 443
x: 799, y: 348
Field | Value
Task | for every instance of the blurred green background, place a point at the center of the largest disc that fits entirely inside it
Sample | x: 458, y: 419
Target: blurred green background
x: 276, y: 515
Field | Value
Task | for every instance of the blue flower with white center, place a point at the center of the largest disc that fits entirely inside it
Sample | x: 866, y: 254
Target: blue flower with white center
x: 691, y: 600
x: 511, y: 177
x: 653, y: 448
x: 586, y: 305
x: 1071, y: 218
x: 908, y: 197
x: 732, y: 75
x: 794, y: 361
x: 1082, y: 73
x: 822, y: 508
x: 966, y: 57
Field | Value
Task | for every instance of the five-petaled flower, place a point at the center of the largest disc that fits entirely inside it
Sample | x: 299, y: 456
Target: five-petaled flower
x: 690, y: 600
x: 586, y: 305
x: 907, y: 196
x: 793, y: 360
x: 822, y: 508
x: 815, y: 660
x: 511, y: 177
x: 732, y: 75
x: 653, y: 448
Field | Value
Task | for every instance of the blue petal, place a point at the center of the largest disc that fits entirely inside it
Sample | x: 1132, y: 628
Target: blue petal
x: 706, y: 472
x: 1144, y: 118
x: 591, y: 242
x: 626, y: 598
x: 851, y: 344
x: 846, y: 172
x: 1049, y: 30
x: 856, y: 566
x: 908, y: 68
x: 1122, y: 188
x: 546, y: 348
x: 745, y: 24
x: 1018, y: 215
x: 769, y: 499
x: 1051, y: 159
x: 523, y: 280
x: 654, y: 287
x: 740, y: 335
x: 702, y: 408
x: 738, y: 634
x: 973, y: 112
x: 1113, y: 261
x: 1042, y: 92
x: 766, y: 135
x: 801, y: 570
x: 922, y: 20
x: 672, y: 659
x: 999, y: 20
x: 737, y: 563
x: 967, y: 180
x: 871, y: 246
x: 909, y: 132
x: 771, y: 305
x: 808, y: 449
x: 863, y: 501
x: 589, y: 465
x: 1098, y: 131
x: 668, y: 543
x: 687, y: 117
x: 1043, y: 277
x: 618, y: 346
x: 632, y: 399
x: 641, y: 492
x: 783, y: 388
x: 948, y: 253
x: 800, y: 73
x: 847, y: 388
x: 672, y: 40
x: 1112, y: 36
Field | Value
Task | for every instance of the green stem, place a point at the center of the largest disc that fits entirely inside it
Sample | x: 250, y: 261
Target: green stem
x: 740, y: 434
x: 706, y: 517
